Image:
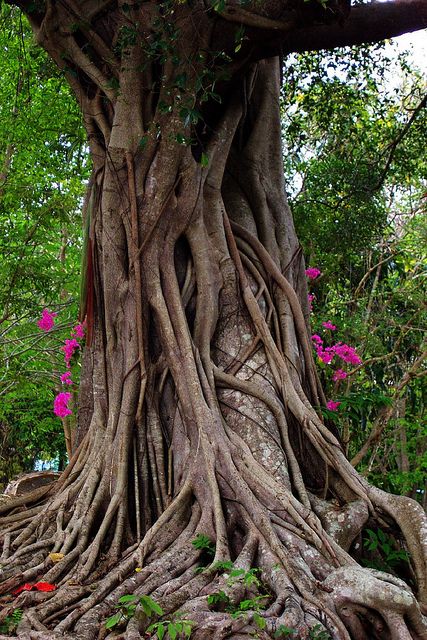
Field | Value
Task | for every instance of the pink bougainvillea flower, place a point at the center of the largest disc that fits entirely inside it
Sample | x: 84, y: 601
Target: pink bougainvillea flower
x: 339, y: 374
x: 328, y: 325
x: 332, y: 405
x: 44, y: 586
x: 66, y: 378
x: 310, y: 298
x: 325, y: 355
x: 47, y: 320
x: 312, y: 273
x: 79, y: 330
x: 24, y: 587
x: 347, y: 353
x: 317, y: 339
x: 69, y: 347
x: 60, y: 404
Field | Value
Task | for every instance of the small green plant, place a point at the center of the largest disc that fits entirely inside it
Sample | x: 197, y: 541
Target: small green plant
x: 384, y: 544
x: 316, y: 633
x: 11, y: 621
x: 250, y: 577
x: 283, y: 631
x: 223, y: 566
x: 259, y: 621
x: 204, y: 544
x: 127, y: 607
x: 256, y: 604
x: 217, y: 598
x: 319, y: 633
x: 220, y: 601
x: 177, y: 628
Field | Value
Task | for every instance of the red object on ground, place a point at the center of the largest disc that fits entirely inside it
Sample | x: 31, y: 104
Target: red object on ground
x: 40, y: 586
x: 24, y: 587
x: 44, y: 586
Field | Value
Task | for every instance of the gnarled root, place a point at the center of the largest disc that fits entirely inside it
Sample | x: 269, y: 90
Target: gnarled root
x: 376, y: 602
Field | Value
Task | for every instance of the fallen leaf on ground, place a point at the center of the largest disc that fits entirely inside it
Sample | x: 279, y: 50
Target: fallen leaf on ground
x: 56, y: 557
x: 44, y: 586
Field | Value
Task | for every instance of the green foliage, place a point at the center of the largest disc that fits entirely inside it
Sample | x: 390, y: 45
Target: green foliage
x: 386, y: 319
x: 354, y: 140
x: 316, y: 633
x: 345, y: 148
x: 204, y: 544
x: 175, y: 628
x: 259, y: 621
x: 249, y: 578
x: 386, y: 557
x: 222, y: 566
x: 283, y: 631
x: 29, y: 430
x: 43, y: 163
x: 319, y: 633
x: 221, y: 601
x: 10, y: 622
x: 127, y: 606
x: 217, y: 598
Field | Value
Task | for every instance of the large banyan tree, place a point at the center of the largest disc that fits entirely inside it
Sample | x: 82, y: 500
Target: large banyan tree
x: 203, y: 474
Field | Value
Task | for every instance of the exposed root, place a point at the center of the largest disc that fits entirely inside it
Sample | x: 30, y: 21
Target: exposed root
x: 372, y: 599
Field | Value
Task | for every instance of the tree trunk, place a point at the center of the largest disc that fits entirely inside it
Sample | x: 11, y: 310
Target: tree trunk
x: 199, y: 391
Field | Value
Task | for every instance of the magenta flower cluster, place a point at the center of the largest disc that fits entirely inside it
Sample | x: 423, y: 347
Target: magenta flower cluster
x: 339, y: 374
x: 347, y: 353
x: 47, y: 320
x: 328, y: 325
x: 61, y: 401
x: 343, y: 351
x: 326, y: 354
x: 312, y: 273
x: 332, y: 405
x: 70, y: 346
x: 78, y: 331
x: 66, y: 378
x: 60, y: 404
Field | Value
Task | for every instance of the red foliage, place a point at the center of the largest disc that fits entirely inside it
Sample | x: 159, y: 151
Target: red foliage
x: 24, y: 587
x: 40, y: 586
x: 44, y: 586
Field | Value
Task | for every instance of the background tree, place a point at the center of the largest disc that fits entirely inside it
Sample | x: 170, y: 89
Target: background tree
x: 354, y: 128
x: 43, y: 162
x: 199, y: 444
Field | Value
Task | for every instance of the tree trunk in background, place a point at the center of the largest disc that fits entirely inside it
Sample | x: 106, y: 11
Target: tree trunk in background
x: 199, y: 393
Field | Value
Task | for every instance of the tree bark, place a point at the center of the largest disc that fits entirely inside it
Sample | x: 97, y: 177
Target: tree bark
x: 200, y: 393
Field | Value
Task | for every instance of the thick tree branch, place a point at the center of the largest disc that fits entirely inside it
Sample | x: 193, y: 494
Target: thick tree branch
x: 366, y: 23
